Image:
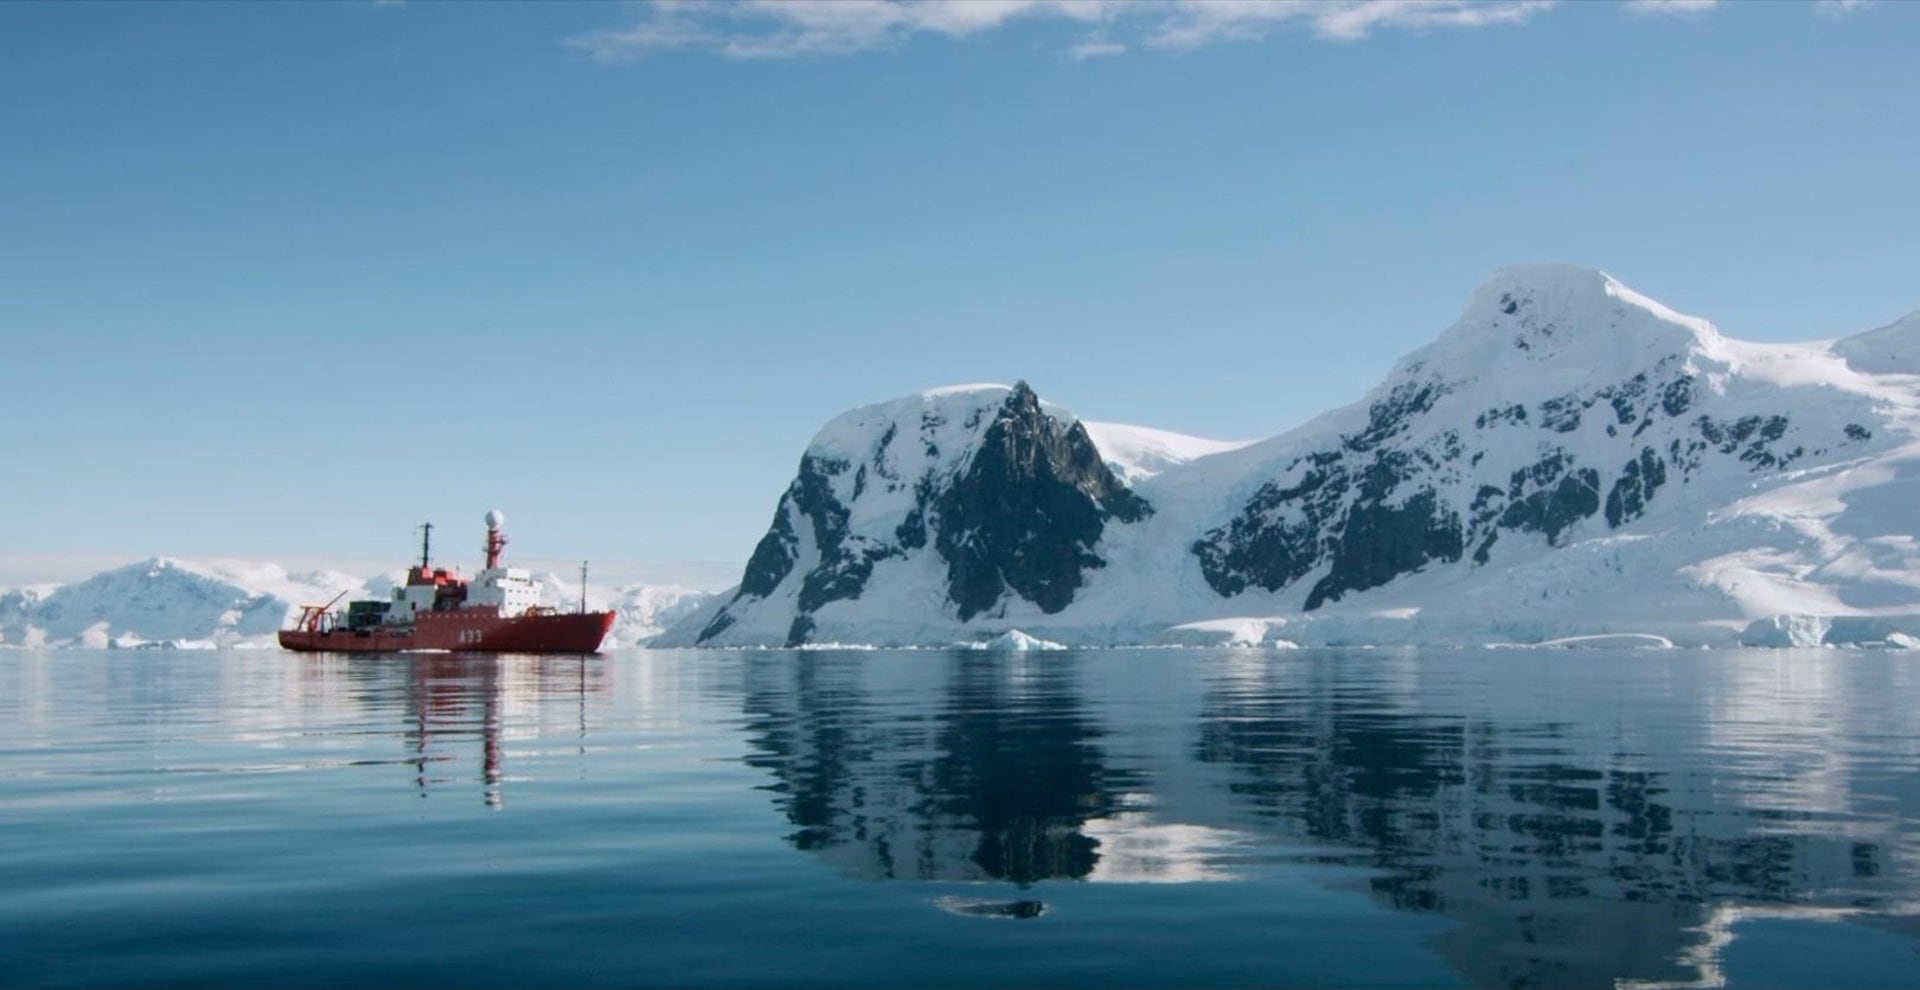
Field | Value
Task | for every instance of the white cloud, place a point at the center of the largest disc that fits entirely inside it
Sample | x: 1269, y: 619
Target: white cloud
x: 1095, y: 48
x: 1670, y: 8
x: 1691, y: 8
x: 770, y: 29
x: 763, y: 29
x: 1839, y: 8
x: 1200, y: 22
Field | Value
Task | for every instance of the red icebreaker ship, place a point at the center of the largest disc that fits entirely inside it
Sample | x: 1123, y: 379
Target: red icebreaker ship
x: 498, y: 611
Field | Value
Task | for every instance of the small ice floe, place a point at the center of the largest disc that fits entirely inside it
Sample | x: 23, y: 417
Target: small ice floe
x: 1245, y: 631
x: 975, y: 907
x: 1611, y: 641
x: 1016, y: 641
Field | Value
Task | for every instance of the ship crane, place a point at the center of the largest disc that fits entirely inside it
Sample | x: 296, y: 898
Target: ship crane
x: 313, y: 618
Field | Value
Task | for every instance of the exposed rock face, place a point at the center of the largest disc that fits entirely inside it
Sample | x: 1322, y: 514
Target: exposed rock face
x: 1341, y: 513
x: 1011, y: 499
x: 843, y: 562
x: 1028, y: 512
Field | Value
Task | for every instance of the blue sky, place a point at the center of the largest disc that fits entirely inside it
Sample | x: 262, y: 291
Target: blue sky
x: 282, y: 280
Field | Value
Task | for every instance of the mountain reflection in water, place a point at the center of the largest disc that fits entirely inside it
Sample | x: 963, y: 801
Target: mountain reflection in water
x: 1582, y: 819
x: 989, y: 776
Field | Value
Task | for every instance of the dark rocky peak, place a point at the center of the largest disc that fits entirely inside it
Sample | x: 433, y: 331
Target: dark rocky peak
x: 1026, y: 442
x: 1011, y: 496
x: 1027, y: 512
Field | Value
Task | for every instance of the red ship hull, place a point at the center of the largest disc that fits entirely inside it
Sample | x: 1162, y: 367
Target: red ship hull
x: 468, y: 630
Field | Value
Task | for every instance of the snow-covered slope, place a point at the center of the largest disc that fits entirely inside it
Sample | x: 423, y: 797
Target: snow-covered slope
x: 1891, y: 350
x: 233, y: 603
x: 1569, y: 459
x: 1136, y: 453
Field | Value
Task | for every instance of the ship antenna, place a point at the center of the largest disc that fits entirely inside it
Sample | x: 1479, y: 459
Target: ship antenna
x: 426, y: 544
x: 583, y: 587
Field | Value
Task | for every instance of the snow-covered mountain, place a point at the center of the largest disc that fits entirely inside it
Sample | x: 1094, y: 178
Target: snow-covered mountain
x: 1570, y: 459
x: 164, y: 601
x: 949, y: 503
x: 227, y: 603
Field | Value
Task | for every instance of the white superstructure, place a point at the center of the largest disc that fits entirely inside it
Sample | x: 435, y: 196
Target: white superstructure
x: 511, y: 589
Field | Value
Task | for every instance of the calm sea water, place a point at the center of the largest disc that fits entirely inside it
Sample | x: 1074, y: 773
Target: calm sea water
x: 1105, y: 818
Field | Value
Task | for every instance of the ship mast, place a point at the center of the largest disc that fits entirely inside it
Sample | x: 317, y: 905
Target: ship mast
x: 426, y: 544
x: 583, y: 587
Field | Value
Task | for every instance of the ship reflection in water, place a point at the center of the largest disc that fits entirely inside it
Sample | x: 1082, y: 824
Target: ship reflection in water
x: 462, y: 709
x: 1580, y: 823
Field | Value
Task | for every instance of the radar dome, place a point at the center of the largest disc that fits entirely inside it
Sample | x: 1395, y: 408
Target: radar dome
x: 496, y: 519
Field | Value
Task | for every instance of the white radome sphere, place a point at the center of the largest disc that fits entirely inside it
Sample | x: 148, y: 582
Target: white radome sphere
x: 496, y: 519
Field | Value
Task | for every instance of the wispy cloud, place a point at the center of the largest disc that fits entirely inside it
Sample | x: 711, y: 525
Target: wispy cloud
x: 1095, y: 48
x: 1670, y: 8
x: 772, y: 29
x: 1839, y: 8
x: 769, y: 29
x: 776, y: 29
x: 1193, y: 23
